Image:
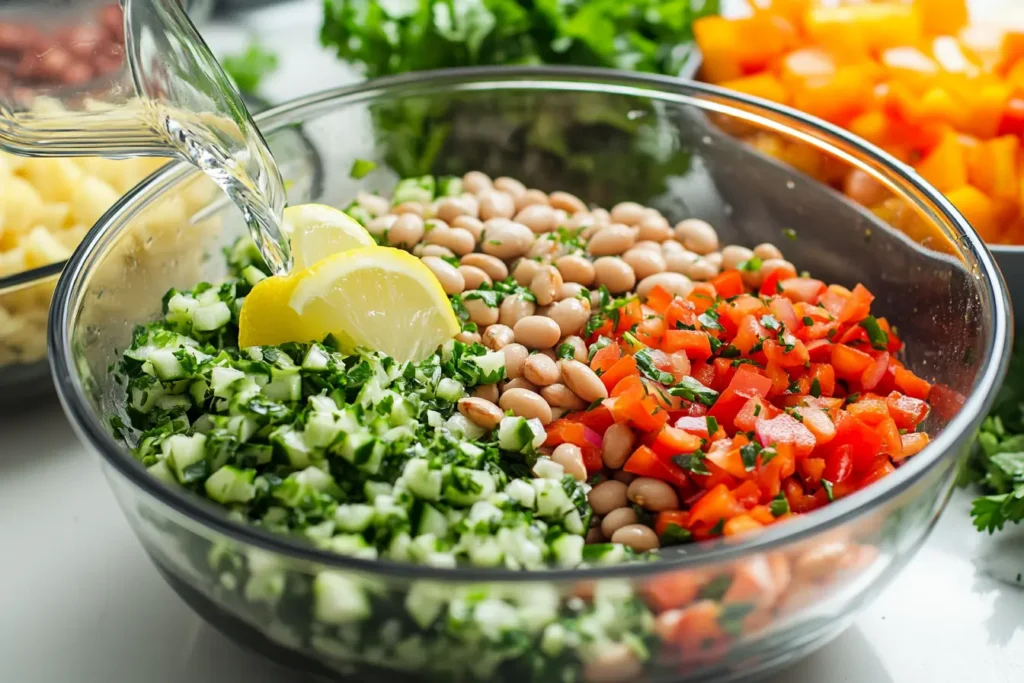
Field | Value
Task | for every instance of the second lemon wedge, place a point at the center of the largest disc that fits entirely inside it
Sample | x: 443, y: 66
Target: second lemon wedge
x: 317, y: 231
x: 378, y: 298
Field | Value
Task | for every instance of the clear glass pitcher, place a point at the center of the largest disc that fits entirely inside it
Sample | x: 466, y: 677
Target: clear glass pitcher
x: 133, y: 78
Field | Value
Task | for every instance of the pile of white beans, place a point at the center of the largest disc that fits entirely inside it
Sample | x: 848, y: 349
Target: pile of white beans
x: 499, y: 227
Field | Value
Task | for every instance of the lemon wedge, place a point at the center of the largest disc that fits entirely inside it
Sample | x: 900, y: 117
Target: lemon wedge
x: 317, y: 231
x: 378, y: 298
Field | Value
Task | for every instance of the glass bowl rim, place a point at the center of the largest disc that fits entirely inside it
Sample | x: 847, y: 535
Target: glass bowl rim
x: 564, y: 79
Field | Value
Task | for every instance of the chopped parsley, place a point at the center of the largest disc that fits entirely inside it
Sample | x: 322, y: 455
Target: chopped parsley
x: 361, y: 168
x: 647, y: 368
x: 692, y: 462
x: 878, y: 337
x: 692, y: 390
x: 779, y: 505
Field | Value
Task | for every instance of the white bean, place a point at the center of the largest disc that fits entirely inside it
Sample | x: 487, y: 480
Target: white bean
x: 673, y: 283
x: 697, y: 235
x: 612, y: 240
x: 615, y: 274
x: 451, y: 279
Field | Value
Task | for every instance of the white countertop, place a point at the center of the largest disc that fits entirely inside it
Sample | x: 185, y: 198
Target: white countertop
x: 80, y: 602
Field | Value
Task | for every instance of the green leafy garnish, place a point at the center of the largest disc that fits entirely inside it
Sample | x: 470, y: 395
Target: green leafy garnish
x: 751, y: 265
x: 691, y: 389
x: 361, y: 168
x: 249, y: 68
x: 692, y: 462
x: 779, y: 505
x: 675, y: 535
x: 878, y: 337
x: 645, y: 364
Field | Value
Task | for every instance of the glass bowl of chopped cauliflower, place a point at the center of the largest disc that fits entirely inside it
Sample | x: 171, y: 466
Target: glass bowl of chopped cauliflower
x: 689, y: 410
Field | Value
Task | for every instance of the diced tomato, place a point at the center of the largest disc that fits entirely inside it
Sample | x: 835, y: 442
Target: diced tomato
x: 658, y: 299
x: 787, y: 430
x: 630, y: 385
x: 698, y: 426
x: 826, y: 376
x: 745, y: 384
x: 907, y: 412
x: 803, y: 289
x: 599, y: 419
x: 565, y: 431
x: 870, y: 409
x: 676, y: 364
x: 647, y: 415
x: 800, y: 501
x: 875, y: 372
x: 726, y: 455
x: 812, y: 469
x: 747, y: 494
x: 751, y: 333
x: 754, y: 409
x: 892, y: 444
x: 680, y: 312
x: 881, y: 468
x: 674, y: 441
x: 865, y: 443
x: 819, y: 350
x: 702, y: 296
x: 839, y: 464
x: 776, y: 353
x: 715, y: 505
x: 694, y: 343
x: 605, y: 358
x: 667, y: 518
x: 703, y: 373
x: 784, y: 312
x: 849, y: 363
x: 645, y: 463
x: 623, y: 368
x: 858, y: 306
x: 739, y: 308
x: 818, y: 423
x: 728, y: 283
x: 912, y: 385
x: 650, y: 332
x: 672, y: 590
x: 770, y: 286
x: 913, y: 443
x: 629, y: 315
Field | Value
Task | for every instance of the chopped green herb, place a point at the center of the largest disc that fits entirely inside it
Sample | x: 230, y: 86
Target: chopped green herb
x: 749, y: 455
x: 675, y: 535
x: 828, y: 489
x: 692, y: 462
x: 771, y: 322
x: 815, y: 388
x: 645, y: 364
x: 808, y: 320
x: 779, y: 505
x: 709, y: 320
x: 712, y: 425
x: 361, y: 168
x: 566, y: 351
x: 876, y: 335
x: 751, y: 265
x: 789, y: 233
x: 691, y: 389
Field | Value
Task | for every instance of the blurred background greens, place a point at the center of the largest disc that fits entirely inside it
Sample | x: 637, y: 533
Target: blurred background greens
x: 387, y: 37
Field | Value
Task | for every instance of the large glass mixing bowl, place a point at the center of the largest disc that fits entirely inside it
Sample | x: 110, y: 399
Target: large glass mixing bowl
x: 712, y: 610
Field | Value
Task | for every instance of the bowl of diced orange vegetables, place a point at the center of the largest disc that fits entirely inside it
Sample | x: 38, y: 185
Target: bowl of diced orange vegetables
x: 937, y: 88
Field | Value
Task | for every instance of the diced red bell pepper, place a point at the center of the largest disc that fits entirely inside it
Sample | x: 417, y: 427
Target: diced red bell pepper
x: 703, y: 373
x: 715, y: 505
x: 750, y: 333
x: 725, y: 453
x: 729, y: 283
x: 673, y: 441
x: 797, y: 355
x: 644, y: 462
x: 770, y: 285
x: 629, y: 315
x: 819, y: 351
x: 599, y: 419
x: 605, y: 358
x: 745, y: 385
x: 849, y: 363
x: 892, y: 444
x: 667, y: 518
x: 565, y: 431
x: 623, y: 368
x: 826, y: 376
x: 785, y: 429
x: 881, y: 468
x: 694, y: 343
x: 803, y: 289
x: 680, y: 312
x: 658, y: 299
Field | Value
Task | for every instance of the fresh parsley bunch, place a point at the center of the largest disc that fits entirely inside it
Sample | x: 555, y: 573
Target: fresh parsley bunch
x: 394, y: 36
x: 997, y: 461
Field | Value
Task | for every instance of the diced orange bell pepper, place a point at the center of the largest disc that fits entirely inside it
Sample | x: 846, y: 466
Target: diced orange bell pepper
x: 978, y: 209
x: 910, y: 66
x: 946, y: 166
x: 942, y: 16
x: 877, y: 25
x: 993, y: 167
x: 1012, y: 47
x: 763, y: 85
x: 805, y: 63
x: 873, y: 126
x: 986, y: 108
x: 913, y: 443
x: 937, y: 104
x: 718, y: 38
x: 839, y: 97
x: 763, y: 37
x: 715, y: 505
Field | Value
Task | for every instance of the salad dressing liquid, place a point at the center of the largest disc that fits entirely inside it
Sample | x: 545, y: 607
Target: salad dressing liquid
x: 183, y: 105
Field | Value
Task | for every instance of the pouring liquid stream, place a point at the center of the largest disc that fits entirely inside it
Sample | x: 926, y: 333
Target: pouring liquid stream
x: 173, y: 99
